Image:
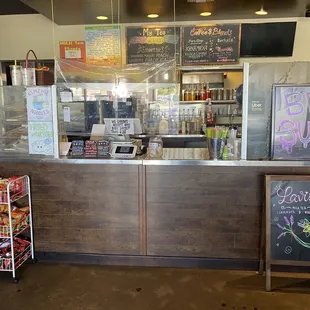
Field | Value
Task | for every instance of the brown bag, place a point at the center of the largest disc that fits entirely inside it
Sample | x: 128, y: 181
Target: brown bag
x: 43, y: 74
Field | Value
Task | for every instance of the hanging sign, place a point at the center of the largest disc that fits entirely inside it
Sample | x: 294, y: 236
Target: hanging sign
x: 72, y: 50
x: 211, y: 44
x: 152, y: 44
x: 103, y: 45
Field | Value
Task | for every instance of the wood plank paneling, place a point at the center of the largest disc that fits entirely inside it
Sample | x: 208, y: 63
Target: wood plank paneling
x: 190, y: 211
x: 207, y: 211
x: 112, y: 241
x: 83, y: 208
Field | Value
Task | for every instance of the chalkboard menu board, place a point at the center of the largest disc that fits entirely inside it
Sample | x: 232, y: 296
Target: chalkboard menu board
x: 287, y: 222
x: 152, y: 44
x: 290, y: 218
x: 290, y: 109
x: 211, y: 44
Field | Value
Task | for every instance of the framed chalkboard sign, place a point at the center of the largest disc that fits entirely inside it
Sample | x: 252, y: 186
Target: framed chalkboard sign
x: 290, y: 122
x: 152, y: 44
x: 211, y: 44
x: 287, y: 222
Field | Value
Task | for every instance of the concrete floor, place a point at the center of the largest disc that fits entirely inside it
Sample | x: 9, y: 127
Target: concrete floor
x: 76, y: 287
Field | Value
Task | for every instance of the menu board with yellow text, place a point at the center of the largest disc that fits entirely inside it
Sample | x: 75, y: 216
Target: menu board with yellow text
x: 152, y: 44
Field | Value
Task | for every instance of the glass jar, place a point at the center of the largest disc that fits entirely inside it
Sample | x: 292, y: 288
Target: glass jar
x: 156, y: 148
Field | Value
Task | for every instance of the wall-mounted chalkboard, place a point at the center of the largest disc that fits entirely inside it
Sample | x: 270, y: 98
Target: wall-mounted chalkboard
x: 287, y: 221
x: 290, y: 122
x: 152, y: 44
x: 211, y: 44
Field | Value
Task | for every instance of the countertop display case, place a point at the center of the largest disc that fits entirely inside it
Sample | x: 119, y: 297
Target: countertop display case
x: 27, y: 121
x: 14, y: 124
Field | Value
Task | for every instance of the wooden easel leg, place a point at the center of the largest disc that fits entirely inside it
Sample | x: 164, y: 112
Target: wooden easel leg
x: 262, y: 244
x: 268, y: 277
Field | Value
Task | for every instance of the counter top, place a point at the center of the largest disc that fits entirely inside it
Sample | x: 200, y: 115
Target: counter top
x: 177, y: 162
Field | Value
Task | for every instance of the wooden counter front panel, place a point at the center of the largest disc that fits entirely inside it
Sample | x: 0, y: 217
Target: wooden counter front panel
x: 206, y: 211
x: 83, y: 208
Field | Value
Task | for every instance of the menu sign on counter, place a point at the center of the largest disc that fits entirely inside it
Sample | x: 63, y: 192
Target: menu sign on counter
x: 287, y: 221
x: 152, y: 44
x: 211, y: 44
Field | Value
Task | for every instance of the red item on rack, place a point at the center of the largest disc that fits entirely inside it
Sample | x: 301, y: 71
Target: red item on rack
x: 17, y: 186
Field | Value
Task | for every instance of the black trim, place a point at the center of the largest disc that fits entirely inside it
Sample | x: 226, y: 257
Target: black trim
x: 148, y: 261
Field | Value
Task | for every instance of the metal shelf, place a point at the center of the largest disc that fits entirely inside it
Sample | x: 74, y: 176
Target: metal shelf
x: 18, y: 228
x: 194, y: 102
x: 207, y: 101
x: 170, y: 136
x: 15, y: 190
x: 224, y: 102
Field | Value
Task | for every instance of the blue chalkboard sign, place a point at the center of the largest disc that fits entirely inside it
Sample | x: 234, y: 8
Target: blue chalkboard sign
x: 291, y: 122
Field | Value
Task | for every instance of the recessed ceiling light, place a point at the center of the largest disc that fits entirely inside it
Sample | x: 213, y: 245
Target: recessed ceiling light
x: 101, y: 17
x: 205, y: 14
x: 153, y: 16
x: 261, y: 11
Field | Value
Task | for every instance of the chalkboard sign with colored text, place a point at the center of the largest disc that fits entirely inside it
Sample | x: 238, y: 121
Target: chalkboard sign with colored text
x: 291, y: 122
x: 287, y: 221
x: 152, y: 44
x: 211, y: 44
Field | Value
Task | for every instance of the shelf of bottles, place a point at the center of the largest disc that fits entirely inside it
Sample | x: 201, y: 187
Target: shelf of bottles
x: 197, y: 93
x: 192, y: 117
x: 207, y: 101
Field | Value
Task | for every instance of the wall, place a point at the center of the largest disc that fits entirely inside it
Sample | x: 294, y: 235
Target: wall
x: 18, y: 33
x: 233, y: 79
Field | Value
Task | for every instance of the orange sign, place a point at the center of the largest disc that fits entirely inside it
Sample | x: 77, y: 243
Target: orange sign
x: 73, y: 50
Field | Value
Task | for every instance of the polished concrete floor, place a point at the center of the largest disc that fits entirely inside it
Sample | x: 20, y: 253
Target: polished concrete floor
x: 84, y: 287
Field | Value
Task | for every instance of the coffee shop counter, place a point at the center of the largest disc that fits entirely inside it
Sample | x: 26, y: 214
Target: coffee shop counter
x: 144, y: 212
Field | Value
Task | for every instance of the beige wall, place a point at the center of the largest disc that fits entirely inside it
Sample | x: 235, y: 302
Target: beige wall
x: 19, y: 33
x: 233, y: 79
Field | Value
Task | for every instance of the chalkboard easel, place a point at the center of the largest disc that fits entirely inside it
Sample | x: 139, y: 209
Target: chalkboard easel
x: 287, y: 224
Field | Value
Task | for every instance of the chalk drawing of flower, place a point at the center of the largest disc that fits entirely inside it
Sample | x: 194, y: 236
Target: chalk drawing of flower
x: 305, y: 224
x: 288, y: 230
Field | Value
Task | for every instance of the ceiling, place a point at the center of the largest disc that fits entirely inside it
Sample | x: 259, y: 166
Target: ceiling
x: 9, y: 7
x: 74, y: 12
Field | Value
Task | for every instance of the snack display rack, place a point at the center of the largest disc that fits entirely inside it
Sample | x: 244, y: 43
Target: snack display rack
x: 14, y: 250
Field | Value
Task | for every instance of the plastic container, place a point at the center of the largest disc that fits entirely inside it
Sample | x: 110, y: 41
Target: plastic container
x: 156, y: 148
x: 216, y: 147
x: 16, y: 75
